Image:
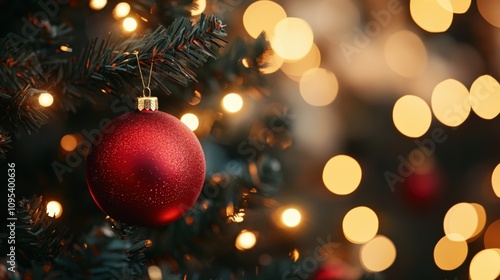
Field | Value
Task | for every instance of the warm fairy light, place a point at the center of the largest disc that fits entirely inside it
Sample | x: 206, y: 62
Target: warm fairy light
x: 495, y: 180
x: 342, y: 174
x: 411, y: 116
x: 318, y: 87
x: 481, y: 219
x: 485, y: 97
x: 292, y: 39
x: 291, y: 217
x: 460, y: 222
x: 54, y: 209
x: 295, y: 69
x: 378, y: 254
x: 294, y: 255
x: 154, y: 273
x: 360, y: 225
x: 455, y: 6
x: 232, y: 102
x: 129, y: 24
x: 97, y: 4
x: 485, y: 265
x: 191, y: 121
x: 450, y: 102
x: 201, y: 6
x: 69, y: 142
x: 273, y: 63
x: 65, y: 48
x: 491, y: 235
x: 45, y: 99
x: 449, y: 254
x: 431, y: 15
x: 405, y: 54
x: 245, y: 240
x: 490, y: 10
x: 122, y: 9
x: 262, y: 16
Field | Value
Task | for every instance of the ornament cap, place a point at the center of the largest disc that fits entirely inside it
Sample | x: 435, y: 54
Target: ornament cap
x: 147, y: 103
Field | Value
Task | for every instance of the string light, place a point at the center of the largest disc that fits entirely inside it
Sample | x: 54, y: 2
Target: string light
x: 411, y: 116
x: 449, y: 254
x: 97, y: 4
x: 201, y: 6
x: 191, y: 121
x: 68, y: 142
x: 129, y: 24
x: 450, y: 102
x: 291, y: 217
x: 262, y: 16
x: 245, y: 240
x: 378, y: 254
x: 121, y: 10
x: 485, y: 265
x: 360, y: 225
x: 431, y: 16
x: 460, y: 222
x: 342, y: 174
x: 54, y: 209
x: 293, y: 38
x: 45, y: 99
x: 154, y: 273
x: 318, y: 87
x: 405, y: 54
x: 232, y: 102
x: 495, y: 180
x: 485, y: 97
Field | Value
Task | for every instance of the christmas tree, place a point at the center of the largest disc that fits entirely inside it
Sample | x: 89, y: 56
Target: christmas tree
x: 231, y: 139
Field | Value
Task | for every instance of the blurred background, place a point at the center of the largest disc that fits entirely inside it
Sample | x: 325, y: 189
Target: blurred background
x: 373, y: 132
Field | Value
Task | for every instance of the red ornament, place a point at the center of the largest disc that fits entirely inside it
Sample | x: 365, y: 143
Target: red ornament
x: 147, y: 168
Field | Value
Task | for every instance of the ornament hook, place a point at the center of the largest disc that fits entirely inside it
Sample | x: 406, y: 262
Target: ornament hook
x: 145, y: 89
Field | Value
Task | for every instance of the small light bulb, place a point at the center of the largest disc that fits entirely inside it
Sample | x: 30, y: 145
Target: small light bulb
x: 121, y: 10
x: 232, y: 102
x: 129, y: 24
x: 291, y: 217
x: 245, y: 240
x: 97, y: 4
x: 45, y: 99
x: 202, y: 4
x: 69, y: 142
x: 191, y: 121
x: 54, y: 209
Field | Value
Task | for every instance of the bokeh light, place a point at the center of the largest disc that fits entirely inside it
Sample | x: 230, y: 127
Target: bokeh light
x: 460, y: 222
x: 485, y: 97
x: 154, y: 273
x: 262, y: 16
x: 129, y: 24
x: 54, y: 209
x: 97, y: 4
x: 69, y: 142
x: 318, y: 87
x: 449, y: 254
x: 295, y: 69
x: 481, y: 219
x: 360, y: 225
x: 485, y: 265
x: 411, y: 116
x: 432, y: 16
x: 450, y: 102
x: 292, y: 39
x: 495, y: 180
x: 273, y: 63
x: 201, y: 6
x: 245, y: 240
x: 342, y: 174
x: 191, y: 121
x: 45, y: 99
x: 378, y: 254
x: 232, y: 102
x: 492, y: 234
x: 291, y: 217
x: 405, y: 53
x: 490, y: 10
x: 122, y: 9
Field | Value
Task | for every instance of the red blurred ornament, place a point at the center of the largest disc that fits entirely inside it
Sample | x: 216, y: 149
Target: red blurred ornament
x: 146, y: 168
x: 423, y: 187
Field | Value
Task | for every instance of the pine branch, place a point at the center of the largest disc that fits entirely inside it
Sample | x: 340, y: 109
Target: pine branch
x: 164, y: 11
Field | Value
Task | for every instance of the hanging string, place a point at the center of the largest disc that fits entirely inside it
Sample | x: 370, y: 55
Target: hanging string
x: 144, y: 87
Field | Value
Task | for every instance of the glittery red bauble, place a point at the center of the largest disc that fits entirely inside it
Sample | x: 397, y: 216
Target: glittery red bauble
x: 145, y: 168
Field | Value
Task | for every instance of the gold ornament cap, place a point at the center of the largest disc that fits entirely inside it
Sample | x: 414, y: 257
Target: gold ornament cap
x: 149, y: 103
